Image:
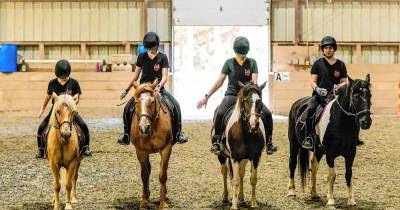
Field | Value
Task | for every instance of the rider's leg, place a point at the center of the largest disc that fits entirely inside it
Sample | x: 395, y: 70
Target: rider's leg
x: 312, y: 105
x: 226, y: 103
x: 82, y: 124
x: 127, y: 118
x: 266, y: 117
x: 40, y: 141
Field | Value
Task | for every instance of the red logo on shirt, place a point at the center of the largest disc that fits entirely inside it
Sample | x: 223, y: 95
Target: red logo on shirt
x: 156, y: 67
x: 337, y: 73
x: 247, y: 72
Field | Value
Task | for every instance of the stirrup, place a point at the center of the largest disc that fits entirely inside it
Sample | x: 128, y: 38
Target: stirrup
x: 121, y: 139
x: 308, y: 146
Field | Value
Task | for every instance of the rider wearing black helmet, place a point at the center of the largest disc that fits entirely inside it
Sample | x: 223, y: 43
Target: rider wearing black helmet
x: 63, y: 84
x: 327, y: 74
x: 153, y: 65
x: 243, y: 69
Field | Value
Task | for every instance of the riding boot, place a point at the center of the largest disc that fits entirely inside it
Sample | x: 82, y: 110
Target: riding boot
x: 123, y: 139
x: 308, y: 142
x: 216, y: 144
x: 86, y: 150
x: 40, y: 152
x: 270, y: 148
x: 180, y: 138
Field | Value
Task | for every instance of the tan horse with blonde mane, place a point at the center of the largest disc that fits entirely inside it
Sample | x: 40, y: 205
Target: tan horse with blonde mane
x: 151, y: 133
x: 63, y: 147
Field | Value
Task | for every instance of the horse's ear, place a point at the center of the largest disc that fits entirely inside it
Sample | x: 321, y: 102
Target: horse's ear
x: 76, y: 98
x: 367, y: 78
x: 54, y: 96
x: 155, y: 83
x: 240, y: 84
x: 135, y: 84
x: 263, y: 85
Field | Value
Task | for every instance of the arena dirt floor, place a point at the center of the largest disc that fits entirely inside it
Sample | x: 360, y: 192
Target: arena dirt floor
x: 111, y: 178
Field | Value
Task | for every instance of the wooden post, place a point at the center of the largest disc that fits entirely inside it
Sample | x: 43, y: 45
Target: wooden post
x: 128, y: 48
x: 83, y: 51
x: 398, y: 56
x: 297, y: 22
x: 358, y: 54
x: 145, y: 15
x: 41, y: 51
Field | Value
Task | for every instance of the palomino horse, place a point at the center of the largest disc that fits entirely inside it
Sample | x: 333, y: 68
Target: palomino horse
x: 151, y: 132
x: 338, y: 130
x: 63, y: 147
x: 244, y: 140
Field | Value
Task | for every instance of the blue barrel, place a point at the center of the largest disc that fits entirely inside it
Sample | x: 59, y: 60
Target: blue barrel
x: 8, y: 58
x: 141, y: 49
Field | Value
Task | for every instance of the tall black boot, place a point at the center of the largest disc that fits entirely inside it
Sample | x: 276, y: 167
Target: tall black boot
x: 40, y: 152
x: 86, y: 150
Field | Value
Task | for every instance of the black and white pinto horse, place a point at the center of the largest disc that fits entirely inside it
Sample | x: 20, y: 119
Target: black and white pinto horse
x: 243, y: 141
x: 338, y: 129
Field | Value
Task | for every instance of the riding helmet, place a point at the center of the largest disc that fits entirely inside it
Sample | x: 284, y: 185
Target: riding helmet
x: 63, y: 69
x: 328, y: 40
x: 151, y: 40
x: 241, y: 45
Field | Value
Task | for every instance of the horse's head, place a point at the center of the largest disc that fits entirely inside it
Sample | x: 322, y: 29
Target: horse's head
x: 358, y: 97
x: 250, y: 104
x: 63, y: 114
x: 145, y: 105
x: 360, y: 100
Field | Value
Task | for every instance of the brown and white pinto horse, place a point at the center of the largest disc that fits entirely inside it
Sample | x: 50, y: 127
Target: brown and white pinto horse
x: 63, y: 147
x: 151, y: 132
x: 243, y: 141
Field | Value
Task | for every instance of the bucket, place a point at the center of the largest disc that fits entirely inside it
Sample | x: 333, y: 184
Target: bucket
x: 8, y: 58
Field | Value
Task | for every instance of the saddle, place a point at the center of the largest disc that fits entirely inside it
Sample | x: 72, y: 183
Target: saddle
x: 225, y: 119
x: 81, y: 138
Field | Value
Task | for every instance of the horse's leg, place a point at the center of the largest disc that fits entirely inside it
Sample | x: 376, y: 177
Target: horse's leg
x: 74, y: 199
x: 253, y: 182
x: 145, y: 167
x: 331, y: 179
x: 314, y: 170
x: 242, y: 171
x: 235, y: 182
x: 163, y: 176
x: 294, y: 150
x: 56, y: 184
x: 70, y: 172
x: 349, y: 172
x: 224, y: 172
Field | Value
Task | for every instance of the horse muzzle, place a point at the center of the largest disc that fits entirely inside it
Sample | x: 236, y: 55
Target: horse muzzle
x: 65, y: 136
x: 145, y: 129
x: 365, y: 123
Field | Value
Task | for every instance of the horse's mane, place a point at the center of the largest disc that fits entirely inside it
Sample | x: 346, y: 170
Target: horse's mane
x: 146, y: 87
x: 65, y: 100
x: 245, y: 91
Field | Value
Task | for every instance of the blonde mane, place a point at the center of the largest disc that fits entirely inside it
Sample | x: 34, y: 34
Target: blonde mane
x: 62, y: 100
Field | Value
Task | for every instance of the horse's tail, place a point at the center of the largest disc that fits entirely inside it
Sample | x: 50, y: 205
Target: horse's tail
x: 304, y: 168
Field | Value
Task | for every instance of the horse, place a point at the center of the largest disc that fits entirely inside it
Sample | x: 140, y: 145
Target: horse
x: 63, y: 147
x: 151, y: 131
x: 243, y: 140
x: 338, y: 128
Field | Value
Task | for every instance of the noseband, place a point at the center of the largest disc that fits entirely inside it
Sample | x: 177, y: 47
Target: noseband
x: 153, y: 117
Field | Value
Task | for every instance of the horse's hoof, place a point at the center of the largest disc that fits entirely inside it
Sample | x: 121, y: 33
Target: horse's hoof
x: 351, y: 202
x: 254, y: 204
x: 225, y: 199
x: 330, y: 203
x: 291, y: 193
x: 163, y: 205
x: 315, y: 196
x: 68, y: 206
x: 74, y: 200
x: 144, y: 203
x: 234, y: 208
x: 241, y: 199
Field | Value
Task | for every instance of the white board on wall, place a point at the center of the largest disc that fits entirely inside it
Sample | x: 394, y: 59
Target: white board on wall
x: 220, y: 12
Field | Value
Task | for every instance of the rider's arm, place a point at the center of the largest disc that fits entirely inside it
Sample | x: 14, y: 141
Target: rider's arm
x: 136, y: 74
x: 164, y: 77
x: 313, y: 82
x: 46, y: 101
x: 216, y: 85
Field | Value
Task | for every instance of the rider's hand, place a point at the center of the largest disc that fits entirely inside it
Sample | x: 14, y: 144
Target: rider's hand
x: 202, y: 102
x: 158, y: 88
x: 321, y: 91
x: 41, y: 112
x: 336, y: 87
x: 124, y: 94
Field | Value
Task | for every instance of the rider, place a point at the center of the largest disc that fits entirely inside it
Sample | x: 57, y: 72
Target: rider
x: 243, y: 69
x: 63, y: 84
x: 327, y: 74
x: 153, y: 65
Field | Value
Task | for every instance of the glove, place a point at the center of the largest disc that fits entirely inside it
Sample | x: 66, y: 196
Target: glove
x: 124, y: 94
x: 321, y: 91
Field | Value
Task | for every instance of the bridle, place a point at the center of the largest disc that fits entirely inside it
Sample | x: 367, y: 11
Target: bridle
x: 156, y: 113
x: 58, y: 125
x: 351, y: 114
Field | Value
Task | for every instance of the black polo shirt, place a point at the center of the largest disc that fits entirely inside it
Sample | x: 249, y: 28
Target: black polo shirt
x: 152, y: 68
x: 328, y: 75
x: 71, y: 87
x: 237, y: 72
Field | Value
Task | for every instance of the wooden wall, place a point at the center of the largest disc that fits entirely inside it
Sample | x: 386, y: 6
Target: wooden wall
x: 385, y: 80
x: 23, y: 92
